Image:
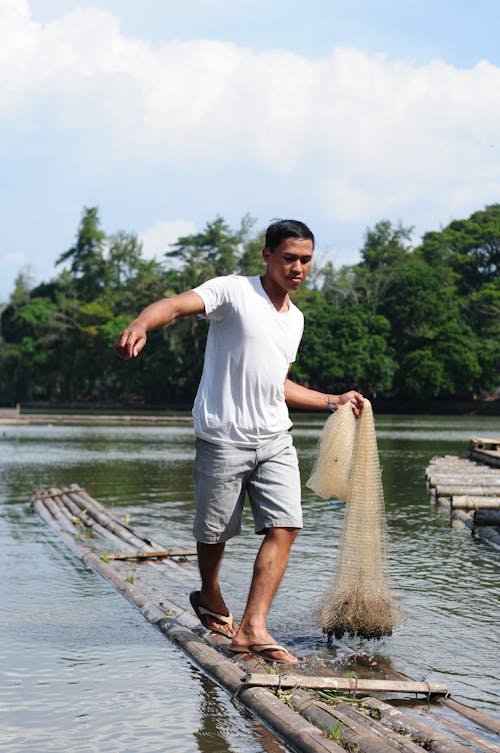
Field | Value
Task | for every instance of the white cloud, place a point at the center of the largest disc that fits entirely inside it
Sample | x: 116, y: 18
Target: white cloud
x: 14, y: 259
x: 158, y: 238
x: 381, y: 135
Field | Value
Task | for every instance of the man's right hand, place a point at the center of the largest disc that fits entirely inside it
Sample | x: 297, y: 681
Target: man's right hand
x: 130, y: 342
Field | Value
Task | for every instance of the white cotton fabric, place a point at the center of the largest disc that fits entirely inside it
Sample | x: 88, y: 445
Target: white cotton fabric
x: 240, y: 399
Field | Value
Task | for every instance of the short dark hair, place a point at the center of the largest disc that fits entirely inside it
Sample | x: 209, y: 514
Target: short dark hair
x: 280, y: 230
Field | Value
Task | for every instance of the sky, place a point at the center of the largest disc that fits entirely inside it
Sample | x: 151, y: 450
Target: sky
x: 166, y: 114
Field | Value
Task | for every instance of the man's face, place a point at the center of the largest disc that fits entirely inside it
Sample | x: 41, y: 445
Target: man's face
x: 289, y: 264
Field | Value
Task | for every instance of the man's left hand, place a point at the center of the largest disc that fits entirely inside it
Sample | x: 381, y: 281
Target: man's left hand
x: 355, y: 398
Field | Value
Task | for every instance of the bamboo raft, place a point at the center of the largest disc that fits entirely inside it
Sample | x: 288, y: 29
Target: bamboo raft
x: 301, y: 708
x: 470, y: 488
x: 485, y: 450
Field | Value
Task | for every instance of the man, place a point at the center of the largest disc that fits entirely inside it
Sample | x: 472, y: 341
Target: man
x: 241, y: 421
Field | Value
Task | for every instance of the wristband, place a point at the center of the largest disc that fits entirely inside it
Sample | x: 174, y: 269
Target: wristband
x: 330, y: 404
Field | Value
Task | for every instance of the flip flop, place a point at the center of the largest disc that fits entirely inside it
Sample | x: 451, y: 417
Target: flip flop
x: 202, y: 612
x: 264, y: 650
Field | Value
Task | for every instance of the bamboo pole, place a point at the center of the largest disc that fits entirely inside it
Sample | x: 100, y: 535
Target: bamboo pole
x: 94, y: 504
x: 476, y: 741
x: 120, y: 542
x: 359, y: 714
x: 487, y: 517
x: 349, y: 684
x: 402, y: 722
x: 476, y: 471
x: 462, y: 519
x: 352, y: 735
x: 121, y: 531
x: 489, y: 534
x: 469, y: 491
x: 479, y: 717
x: 471, y: 502
x: 469, y: 712
x: 158, y: 554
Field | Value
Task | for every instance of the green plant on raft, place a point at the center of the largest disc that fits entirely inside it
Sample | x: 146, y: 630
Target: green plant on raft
x: 284, y: 695
x: 105, y: 557
x: 127, y: 518
x: 335, y: 733
x: 272, y: 670
x: 129, y: 578
x: 332, y: 696
x: 85, y: 535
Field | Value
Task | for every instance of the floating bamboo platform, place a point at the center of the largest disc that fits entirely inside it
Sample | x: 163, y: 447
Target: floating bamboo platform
x: 302, y: 708
x: 485, y: 450
x: 470, y: 488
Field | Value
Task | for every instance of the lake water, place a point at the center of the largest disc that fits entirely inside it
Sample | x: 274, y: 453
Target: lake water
x: 83, y: 671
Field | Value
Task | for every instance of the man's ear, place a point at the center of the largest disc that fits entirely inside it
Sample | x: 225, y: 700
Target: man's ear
x: 266, y: 254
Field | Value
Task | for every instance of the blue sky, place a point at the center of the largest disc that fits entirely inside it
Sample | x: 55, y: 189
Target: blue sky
x: 165, y: 114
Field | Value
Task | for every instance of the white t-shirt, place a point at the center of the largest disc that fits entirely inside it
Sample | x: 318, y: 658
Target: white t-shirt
x: 241, y: 396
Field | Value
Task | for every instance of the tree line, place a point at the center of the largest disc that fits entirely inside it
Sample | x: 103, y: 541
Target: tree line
x: 416, y: 323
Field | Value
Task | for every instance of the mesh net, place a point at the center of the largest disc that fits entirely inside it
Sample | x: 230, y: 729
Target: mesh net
x: 359, y: 601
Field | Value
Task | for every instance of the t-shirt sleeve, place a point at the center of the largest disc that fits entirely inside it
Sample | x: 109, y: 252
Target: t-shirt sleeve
x: 216, y: 294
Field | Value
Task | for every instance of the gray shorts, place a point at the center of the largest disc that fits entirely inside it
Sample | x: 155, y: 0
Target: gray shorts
x: 222, y: 475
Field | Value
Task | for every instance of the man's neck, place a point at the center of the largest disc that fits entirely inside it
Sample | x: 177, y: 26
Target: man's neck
x: 278, y: 297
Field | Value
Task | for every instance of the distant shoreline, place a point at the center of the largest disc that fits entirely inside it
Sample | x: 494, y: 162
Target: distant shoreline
x: 95, y: 413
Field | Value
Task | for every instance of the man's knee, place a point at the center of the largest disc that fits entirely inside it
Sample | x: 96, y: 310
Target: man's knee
x: 283, y: 534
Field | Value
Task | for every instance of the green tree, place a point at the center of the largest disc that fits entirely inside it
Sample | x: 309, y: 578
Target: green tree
x: 469, y: 248
x: 88, y: 265
x: 343, y: 347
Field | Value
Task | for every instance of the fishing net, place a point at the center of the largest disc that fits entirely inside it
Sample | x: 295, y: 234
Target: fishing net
x: 359, y: 601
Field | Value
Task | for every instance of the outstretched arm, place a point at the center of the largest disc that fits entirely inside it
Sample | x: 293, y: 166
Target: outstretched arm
x: 297, y: 396
x: 131, y: 341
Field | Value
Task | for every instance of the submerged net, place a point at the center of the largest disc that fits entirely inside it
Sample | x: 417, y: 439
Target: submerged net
x: 359, y: 601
